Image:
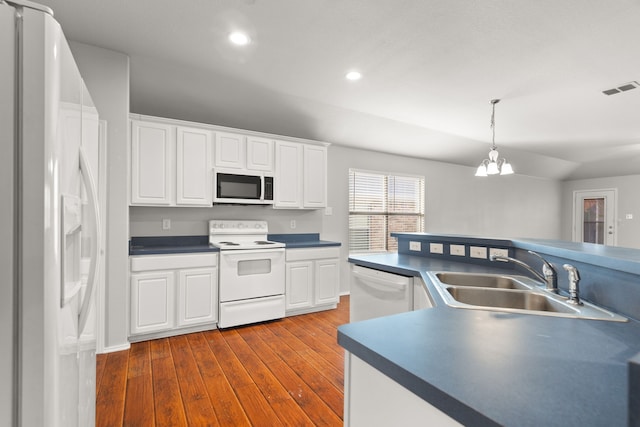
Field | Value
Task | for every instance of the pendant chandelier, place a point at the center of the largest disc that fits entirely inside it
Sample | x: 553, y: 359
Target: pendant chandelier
x: 494, y: 165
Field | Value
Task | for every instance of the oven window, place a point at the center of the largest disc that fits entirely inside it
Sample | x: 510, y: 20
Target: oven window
x: 254, y: 266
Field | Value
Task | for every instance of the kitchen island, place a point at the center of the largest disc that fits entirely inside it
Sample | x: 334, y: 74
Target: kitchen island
x: 481, y: 367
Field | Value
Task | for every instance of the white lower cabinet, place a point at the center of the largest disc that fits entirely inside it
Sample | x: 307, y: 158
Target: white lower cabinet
x: 170, y: 293
x: 197, y: 296
x: 312, y: 279
x: 151, y: 300
x: 372, y: 399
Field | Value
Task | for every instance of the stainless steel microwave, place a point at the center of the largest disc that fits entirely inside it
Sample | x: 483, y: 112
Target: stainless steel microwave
x: 242, y: 187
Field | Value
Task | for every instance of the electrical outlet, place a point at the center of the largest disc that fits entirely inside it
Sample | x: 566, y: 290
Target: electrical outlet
x: 478, y: 252
x: 457, y: 250
x: 498, y: 252
x: 436, y: 248
x: 293, y: 224
x: 328, y: 211
x: 166, y: 224
x: 415, y: 246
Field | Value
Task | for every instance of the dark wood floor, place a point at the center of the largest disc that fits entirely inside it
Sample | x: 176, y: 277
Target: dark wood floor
x: 285, y: 372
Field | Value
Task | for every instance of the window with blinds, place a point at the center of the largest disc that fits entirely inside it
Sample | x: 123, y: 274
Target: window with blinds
x: 381, y: 204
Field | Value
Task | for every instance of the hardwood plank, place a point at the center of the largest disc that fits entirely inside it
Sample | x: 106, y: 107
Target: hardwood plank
x: 285, y: 363
x: 253, y: 402
x: 101, y: 361
x: 110, y: 397
x: 328, y: 352
x: 138, y: 408
x: 225, y: 403
x: 279, y: 398
x: 168, y: 403
x: 195, y: 397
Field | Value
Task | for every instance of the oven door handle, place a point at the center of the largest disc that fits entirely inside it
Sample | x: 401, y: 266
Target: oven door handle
x: 249, y: 253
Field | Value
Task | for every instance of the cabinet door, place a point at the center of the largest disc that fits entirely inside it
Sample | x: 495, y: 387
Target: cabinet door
x: 193, y: 167
x: 259, y: 154
x: 152, y: 159
x: 315, y: 176
x: 288, y: 176
x: 327, y: 281
x: 230, y: 150
x: 299, y: 284
x: 197, y: 296
x: 152, y: 300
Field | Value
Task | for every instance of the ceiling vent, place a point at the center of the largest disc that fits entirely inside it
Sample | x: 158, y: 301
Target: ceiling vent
x: 622, y: 88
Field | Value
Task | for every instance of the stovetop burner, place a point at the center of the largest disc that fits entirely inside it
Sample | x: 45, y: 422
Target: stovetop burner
x: 239, y: 235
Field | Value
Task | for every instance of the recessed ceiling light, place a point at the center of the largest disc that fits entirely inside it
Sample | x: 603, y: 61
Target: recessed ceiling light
x: 353, y: 75
x: 238, y: 38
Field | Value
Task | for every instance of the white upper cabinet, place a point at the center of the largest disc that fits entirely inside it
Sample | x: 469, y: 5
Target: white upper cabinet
x: 259, y: 154
x: 301, y: 176
x: 193, y: 167
x: 236, y: 151
x: 288, y: 178
x: 230, y: 151
x: 170, y: 165
x: 315, y: 176
x: 152, y: 160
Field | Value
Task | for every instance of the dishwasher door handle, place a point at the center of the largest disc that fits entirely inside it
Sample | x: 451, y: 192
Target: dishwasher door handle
x: 381, y: 284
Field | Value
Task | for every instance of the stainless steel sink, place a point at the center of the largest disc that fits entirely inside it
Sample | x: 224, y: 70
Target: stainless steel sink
x: 512, y: 294
x: 484, y: 280
x: 507, y: 299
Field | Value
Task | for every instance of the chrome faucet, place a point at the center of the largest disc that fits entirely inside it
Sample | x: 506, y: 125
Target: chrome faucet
x: 574, y: 279
x: 549, y: 275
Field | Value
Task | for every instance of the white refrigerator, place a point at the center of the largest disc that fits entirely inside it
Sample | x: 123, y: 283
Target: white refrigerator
x: 49, y: 225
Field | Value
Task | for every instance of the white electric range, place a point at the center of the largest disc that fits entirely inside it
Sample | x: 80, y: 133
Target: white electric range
x: 251, y: 273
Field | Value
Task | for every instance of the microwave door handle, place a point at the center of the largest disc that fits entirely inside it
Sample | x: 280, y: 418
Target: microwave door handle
x: 261, y: 187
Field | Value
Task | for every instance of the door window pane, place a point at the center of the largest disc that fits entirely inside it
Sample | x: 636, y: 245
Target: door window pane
x: 593, y: 222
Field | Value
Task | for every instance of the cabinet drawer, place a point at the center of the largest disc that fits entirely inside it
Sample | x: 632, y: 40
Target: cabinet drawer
x: 172, y: 262
x: 312, y: 253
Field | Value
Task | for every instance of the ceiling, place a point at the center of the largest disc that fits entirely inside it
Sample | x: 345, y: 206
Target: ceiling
x: 430, y: 69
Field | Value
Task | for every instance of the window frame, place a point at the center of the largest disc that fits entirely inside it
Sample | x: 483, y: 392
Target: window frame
x: 386, y: 212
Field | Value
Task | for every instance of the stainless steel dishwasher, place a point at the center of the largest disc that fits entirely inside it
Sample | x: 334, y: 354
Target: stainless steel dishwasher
x: 376, y: 293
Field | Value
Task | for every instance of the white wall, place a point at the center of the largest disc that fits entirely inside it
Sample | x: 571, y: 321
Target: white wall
x: 628, y: 203
x: 106, y: 74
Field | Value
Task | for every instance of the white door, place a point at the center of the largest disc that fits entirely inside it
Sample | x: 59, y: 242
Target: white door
x: 595, y: 216
x: 315, y: 176
x: 197, y: 296
x: 152, y: 301
x: 299, y: 281
x: 193, y: 167
x: 152, y: 160
x: 327, y: 280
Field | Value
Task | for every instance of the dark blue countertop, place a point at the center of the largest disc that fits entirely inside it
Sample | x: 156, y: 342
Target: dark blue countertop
x: 169, y: 245
x: 301, y: 240
x: 185, y: 244
x: 490, y: 368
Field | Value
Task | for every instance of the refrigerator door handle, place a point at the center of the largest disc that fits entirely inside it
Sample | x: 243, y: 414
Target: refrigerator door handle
x: 90, y: 187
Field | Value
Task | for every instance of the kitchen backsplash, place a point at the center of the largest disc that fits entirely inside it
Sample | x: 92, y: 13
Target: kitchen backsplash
x: 148, y: 221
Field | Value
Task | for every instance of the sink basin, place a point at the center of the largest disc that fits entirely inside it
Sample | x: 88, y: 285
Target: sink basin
x: 512, y: 294
x: 508, y: 299
x: 483, y: 280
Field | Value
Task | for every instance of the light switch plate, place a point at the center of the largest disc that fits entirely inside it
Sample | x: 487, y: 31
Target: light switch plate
x: 415, y: 246
x: 457, y: 250
x: 436, y: 248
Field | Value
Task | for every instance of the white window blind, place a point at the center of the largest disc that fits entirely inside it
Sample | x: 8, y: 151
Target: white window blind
x: 380, y: 204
